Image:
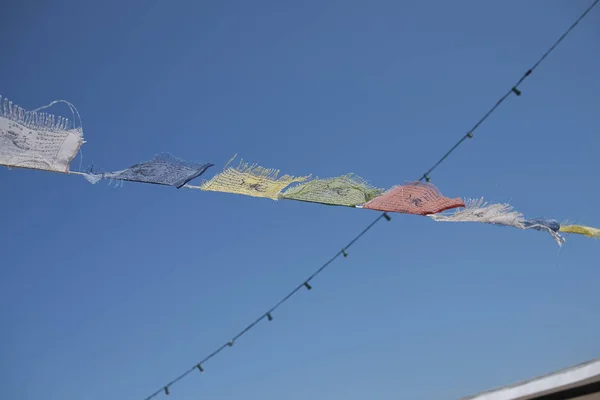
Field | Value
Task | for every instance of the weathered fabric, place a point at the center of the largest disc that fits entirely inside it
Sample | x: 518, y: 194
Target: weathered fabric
x: 91, y: 177
x: 545, y: 225
x: 476, y: 210
x: 251, y: 180
x: 164, y: 169
x: 500, y: 214
x: 347, y: 190
x: 581, y: 230
x: 541, y: 224
x: 31, y: 139
x: 414, y: 198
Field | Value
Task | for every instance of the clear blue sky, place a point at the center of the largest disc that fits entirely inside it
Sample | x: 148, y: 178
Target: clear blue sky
x: 109, y: 293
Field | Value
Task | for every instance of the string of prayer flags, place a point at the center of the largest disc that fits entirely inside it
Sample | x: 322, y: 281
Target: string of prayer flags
x: 347, y: 190
x: 38, y: 140
x: 476, y: 210
x: 163, y: 169
x: 581, y: 230
x: 250, y: 180
x: 546, y: 225
x: 420, y: 198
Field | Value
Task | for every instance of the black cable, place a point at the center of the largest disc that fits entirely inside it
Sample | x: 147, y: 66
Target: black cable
x: 343, y: 252
x: 514, y: 89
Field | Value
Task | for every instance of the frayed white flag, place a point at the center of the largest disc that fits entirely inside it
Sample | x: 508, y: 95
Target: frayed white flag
x: 477, y: 210
x: 38, y: 140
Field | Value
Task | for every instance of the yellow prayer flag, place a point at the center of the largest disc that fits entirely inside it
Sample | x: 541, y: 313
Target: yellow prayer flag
x: 251, y: 180
x: 581, y: 230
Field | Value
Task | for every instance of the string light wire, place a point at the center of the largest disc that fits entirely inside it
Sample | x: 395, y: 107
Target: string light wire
x: 344, y: 251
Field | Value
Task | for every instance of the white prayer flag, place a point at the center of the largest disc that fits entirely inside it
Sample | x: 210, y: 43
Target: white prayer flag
x: 32, y: 139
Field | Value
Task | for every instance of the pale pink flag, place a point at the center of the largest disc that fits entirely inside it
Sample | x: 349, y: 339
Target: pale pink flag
x: 414, y: 198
